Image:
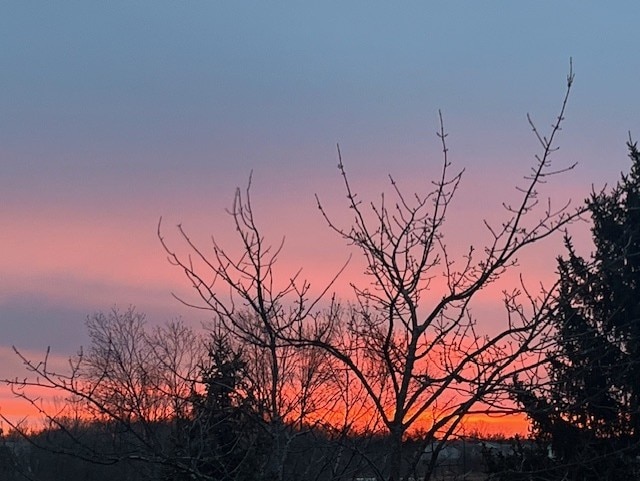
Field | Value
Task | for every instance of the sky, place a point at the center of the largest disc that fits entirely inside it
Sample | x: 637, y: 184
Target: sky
x: 114, y: 114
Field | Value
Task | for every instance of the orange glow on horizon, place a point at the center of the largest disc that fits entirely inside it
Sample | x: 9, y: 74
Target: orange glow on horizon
x: 484, y: 425
x: 19, y: 412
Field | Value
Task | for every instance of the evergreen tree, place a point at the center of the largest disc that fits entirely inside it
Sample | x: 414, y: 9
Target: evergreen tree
x: 589, y: 413
x: 222, y: 439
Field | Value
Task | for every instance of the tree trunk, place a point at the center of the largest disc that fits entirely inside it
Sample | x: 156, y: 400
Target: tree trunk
x: 394, y: 463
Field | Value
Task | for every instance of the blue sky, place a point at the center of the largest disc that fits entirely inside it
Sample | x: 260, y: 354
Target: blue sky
x: 115, y: 113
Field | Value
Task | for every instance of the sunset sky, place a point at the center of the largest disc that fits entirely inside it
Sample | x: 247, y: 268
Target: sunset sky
x: 113, y: 114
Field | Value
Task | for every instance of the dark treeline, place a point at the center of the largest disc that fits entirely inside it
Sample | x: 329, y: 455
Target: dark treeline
x: 97, y: 451
x: 121, y: 422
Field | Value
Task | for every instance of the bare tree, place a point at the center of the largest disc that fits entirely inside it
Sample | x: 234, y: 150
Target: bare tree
x: 409, y: 338
x: 121, y: 399
x: 424, y: 354
x: 295, y: 386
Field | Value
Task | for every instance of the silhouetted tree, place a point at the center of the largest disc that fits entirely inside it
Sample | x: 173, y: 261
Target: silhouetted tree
x: 131, y: 384
x: 411, y: 353
x: 223, y: 438
x: 588, y: 413
x: 293, y: 385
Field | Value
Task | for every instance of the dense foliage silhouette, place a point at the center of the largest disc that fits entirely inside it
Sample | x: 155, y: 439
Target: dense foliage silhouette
x: 586, y: 414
